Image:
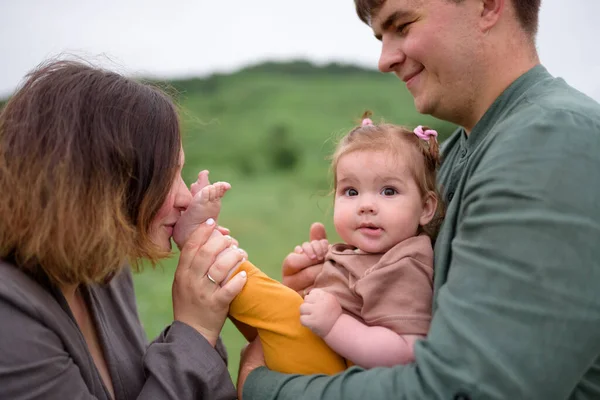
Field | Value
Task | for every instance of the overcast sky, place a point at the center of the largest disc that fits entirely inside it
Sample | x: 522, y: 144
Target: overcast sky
x: 174, y: 38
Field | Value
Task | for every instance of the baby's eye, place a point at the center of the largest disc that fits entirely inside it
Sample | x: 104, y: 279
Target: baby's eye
x: 389, y: 191
x: 351, y: 192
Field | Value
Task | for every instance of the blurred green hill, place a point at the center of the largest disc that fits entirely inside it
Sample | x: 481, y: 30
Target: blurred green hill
x: 283, y: 116
x: 268, y: 129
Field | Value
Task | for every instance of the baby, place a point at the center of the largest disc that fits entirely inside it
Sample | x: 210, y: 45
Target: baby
x: 372, y: 300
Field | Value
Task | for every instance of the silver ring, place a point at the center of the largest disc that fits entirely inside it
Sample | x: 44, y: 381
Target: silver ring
x: 210, y: 278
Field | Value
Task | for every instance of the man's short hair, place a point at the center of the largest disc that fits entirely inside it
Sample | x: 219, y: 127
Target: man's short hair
x: 527, y: 12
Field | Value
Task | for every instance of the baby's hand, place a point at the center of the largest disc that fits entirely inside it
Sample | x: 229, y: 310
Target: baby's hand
x: 304, y: 264
x: 319, y: 311
x: 315, y: 250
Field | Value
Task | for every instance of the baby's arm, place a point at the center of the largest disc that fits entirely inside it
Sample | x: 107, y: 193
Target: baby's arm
x: 370, y: 346
x: 367, y: 346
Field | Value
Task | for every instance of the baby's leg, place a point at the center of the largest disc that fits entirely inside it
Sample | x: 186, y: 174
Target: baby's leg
x: 205, y: 204
x: 273, y: 310
x: 265, y: 306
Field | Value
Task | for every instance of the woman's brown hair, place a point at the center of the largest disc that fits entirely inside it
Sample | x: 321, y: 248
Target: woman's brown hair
x: 87, y: 158
x: 389, y: 137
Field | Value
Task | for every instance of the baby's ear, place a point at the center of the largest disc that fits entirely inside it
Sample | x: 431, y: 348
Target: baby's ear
x: 429, y: 206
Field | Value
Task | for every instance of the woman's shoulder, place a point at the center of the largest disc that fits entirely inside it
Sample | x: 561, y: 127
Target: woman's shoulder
x: 33, y: 320
x: 33, y: 297
x: 21, y: 291
x: 43, y: 347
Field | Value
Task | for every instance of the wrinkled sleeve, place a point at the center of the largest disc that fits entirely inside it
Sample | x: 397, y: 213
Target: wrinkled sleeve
x: 36, y: 362
x: 519, y: 314
x: 181, y: 363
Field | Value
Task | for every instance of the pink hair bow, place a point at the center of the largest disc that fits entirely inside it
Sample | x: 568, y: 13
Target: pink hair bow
x: 425, y: 134
x: 366, y: 121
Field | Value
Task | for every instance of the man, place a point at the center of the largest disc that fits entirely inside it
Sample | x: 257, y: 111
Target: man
x: 516, y: 311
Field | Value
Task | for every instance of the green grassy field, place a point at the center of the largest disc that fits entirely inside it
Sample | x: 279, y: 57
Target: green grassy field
x: 268, y: 131
x: 268, y: 216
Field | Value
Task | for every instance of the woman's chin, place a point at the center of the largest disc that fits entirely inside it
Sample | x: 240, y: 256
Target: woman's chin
x: 167, y: 243
x: 163, y: 242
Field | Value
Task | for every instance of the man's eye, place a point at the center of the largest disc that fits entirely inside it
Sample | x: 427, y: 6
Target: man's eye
x: 402, y: 28
x: 351, y: 192
x: 388, y: 191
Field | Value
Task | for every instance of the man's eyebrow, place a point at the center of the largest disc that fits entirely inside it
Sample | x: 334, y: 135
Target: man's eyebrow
x: 391, y: 20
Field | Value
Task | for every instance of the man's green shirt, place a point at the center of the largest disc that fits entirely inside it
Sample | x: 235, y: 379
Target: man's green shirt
x: 516, y: 311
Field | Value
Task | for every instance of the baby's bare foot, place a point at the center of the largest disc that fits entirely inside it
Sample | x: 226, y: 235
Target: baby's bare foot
x: 201, y: 182
x: 205, y: 204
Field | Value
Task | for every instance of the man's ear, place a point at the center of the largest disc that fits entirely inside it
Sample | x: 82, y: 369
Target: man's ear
x: 491, y: 11
x: 429, y: 207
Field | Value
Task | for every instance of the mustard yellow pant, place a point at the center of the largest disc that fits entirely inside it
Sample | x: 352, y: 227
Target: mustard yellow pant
x: 271, y: 309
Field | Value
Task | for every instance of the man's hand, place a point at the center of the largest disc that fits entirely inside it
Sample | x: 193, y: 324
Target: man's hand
x: 251, y: 358
x: 320, y: 311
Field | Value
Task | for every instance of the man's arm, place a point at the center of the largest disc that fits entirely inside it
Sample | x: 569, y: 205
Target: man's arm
x: 519, y: 315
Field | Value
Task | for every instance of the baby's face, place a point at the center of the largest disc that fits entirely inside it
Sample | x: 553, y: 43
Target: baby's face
x: 377, y: 201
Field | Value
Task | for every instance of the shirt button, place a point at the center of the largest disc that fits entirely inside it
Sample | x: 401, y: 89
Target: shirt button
x: 461, y: 396
x: 450, y: 196
x: 463, y: 153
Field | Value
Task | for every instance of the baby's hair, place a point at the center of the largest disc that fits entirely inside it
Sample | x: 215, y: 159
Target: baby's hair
x: 370, y: 136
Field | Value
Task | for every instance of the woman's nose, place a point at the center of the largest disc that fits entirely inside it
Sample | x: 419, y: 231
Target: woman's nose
x: 183, y: 197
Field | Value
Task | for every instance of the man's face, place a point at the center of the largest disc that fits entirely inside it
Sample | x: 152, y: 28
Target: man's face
x: 432, y: 46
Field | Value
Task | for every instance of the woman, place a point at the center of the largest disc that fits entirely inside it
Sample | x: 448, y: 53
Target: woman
x: 90, y: 171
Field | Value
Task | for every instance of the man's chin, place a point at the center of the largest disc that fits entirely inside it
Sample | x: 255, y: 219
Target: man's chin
x: 422, y: 105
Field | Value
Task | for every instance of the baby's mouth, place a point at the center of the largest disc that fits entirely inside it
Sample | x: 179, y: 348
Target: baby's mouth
x: 369, y: 228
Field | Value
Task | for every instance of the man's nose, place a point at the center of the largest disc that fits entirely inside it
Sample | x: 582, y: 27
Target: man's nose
x: 391, y: 56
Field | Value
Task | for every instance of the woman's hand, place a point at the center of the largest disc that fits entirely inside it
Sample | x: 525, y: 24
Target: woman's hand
x: 204, y: 263
x: 300, y: 268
